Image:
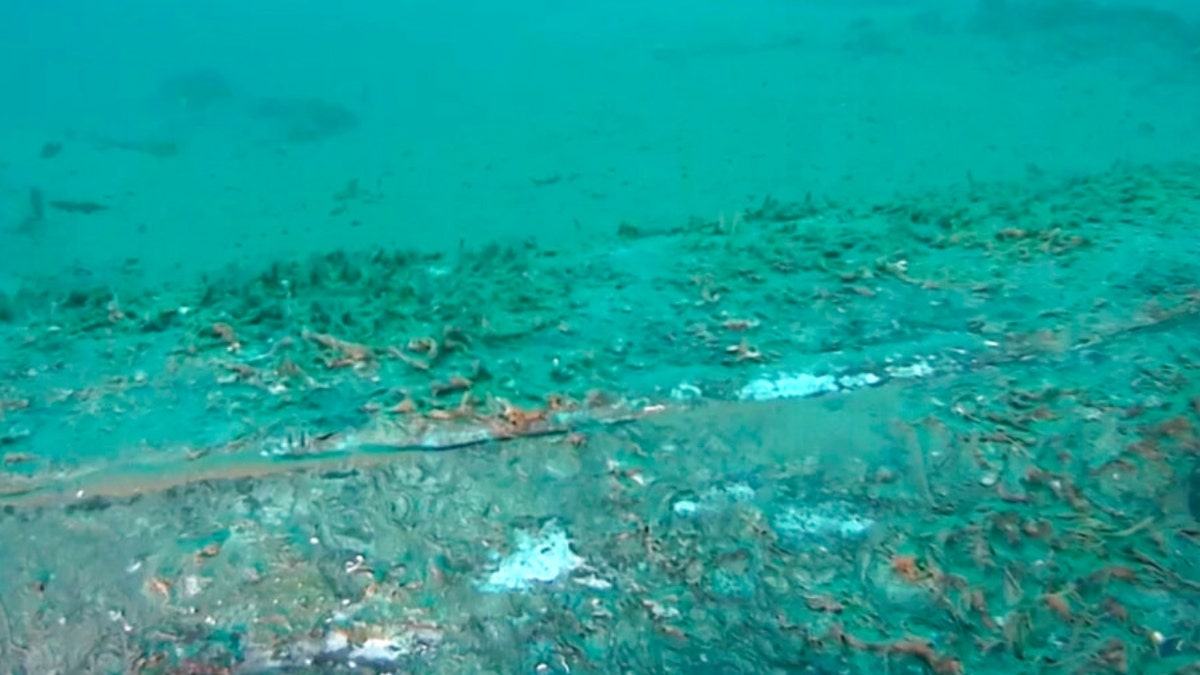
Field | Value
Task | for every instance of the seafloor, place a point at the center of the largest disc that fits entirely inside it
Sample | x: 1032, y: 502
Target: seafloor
x: 951, y: 433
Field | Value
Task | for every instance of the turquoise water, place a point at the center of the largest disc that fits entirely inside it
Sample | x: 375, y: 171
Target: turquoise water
x: 555, y: 121
x: 565, y: 337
